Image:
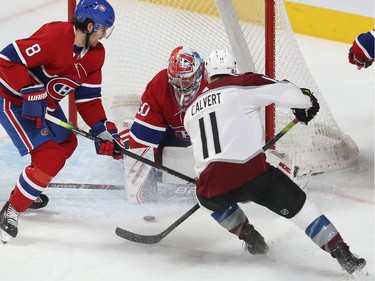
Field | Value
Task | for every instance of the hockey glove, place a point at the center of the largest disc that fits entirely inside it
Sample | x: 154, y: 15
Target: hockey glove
x: 34, y: 103
x: 360, y: 63
x: 112, y: 143
x: 305, y: 115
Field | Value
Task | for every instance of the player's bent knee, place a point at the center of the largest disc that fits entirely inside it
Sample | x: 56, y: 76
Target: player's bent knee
x: 50, y: 157
x: 296, y: 202
x: 69, y: 145
x: 285, y: 198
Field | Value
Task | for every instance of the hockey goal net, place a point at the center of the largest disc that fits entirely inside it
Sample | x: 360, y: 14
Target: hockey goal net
x: 146, y: 31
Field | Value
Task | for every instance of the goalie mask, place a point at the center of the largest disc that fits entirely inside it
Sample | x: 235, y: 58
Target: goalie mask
x: 185, y: 71
x: 220, y: 62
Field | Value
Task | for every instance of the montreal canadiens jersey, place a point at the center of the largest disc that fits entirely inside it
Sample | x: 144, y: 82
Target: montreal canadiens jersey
x: 158, y: 111
x: 49, y: 57
x: 225, y: 128
x: 363, y: 45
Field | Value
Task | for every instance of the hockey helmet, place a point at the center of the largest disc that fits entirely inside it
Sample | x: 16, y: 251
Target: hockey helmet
x: 185, y: 72
x: 220, y: 62
x: 99, y: 11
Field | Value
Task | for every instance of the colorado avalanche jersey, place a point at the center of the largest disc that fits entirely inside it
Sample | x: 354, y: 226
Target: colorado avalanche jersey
x: 158, y: 111
x: 49, y: 57
x: 225, y: 128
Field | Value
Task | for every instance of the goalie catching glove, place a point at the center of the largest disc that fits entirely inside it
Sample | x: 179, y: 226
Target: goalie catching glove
x: 111, y: 144
x: 305, y: 115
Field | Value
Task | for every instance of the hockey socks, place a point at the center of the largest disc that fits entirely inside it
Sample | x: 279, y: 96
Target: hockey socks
x: 233, y: 219
x: 31, y: 183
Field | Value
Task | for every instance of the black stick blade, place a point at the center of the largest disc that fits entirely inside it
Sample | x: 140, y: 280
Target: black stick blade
x: 139, y: 238
x: 153, y: 239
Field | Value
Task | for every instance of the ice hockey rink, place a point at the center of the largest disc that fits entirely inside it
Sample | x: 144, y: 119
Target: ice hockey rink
x: 73, y: 237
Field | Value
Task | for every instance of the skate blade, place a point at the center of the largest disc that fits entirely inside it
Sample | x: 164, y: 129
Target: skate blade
x: 4, y: 237
x: 361, y: 274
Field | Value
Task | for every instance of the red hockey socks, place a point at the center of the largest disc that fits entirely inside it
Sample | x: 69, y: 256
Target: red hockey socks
x: 30, y: 185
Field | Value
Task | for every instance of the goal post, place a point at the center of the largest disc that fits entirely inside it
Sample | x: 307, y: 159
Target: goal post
x: 259, y: 34
x: 72, y: 114
x: 269, y: 60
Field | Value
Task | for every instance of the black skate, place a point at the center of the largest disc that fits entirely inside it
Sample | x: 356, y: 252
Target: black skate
x: 8, y: 222
x: 254, y: 241
x: 40, y: 202
x: 349, y: 262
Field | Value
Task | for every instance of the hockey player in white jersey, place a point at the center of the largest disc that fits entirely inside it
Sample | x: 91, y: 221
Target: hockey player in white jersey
x: 225, y: 128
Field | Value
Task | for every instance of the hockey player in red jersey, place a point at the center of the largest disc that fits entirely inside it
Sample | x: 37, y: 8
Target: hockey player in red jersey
x: 36, y: 73
x: 159, y: 120
x: 225, y: 128
x: 361, y: 53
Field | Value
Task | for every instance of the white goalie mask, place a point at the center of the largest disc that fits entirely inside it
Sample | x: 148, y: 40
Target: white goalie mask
x: 220, y: 62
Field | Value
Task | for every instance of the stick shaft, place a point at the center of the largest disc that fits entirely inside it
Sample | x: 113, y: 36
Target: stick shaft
x: 152, y: 239
x: 122, y: 150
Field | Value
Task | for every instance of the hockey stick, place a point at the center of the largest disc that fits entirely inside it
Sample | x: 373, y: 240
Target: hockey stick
x: 86, y: 186
x: 153, y: 239
x: 122, y: 150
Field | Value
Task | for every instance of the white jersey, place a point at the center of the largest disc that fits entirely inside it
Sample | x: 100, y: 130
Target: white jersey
x: 225, y: 128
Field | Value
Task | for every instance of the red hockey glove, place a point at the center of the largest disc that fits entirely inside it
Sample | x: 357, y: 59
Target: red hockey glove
x: 34, y: 103
x: 112, y: 143
x: 305, y: 115
x: 359, y: 62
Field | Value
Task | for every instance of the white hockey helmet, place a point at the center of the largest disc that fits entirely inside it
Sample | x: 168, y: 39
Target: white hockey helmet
x: 220, y: 62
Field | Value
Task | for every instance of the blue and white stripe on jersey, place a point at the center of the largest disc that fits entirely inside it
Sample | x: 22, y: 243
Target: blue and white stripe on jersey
x: 147, y: 134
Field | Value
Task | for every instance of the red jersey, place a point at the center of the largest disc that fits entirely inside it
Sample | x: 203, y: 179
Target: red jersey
x: 363, y: 46
x: 49, y: 57
x: 158, y: 111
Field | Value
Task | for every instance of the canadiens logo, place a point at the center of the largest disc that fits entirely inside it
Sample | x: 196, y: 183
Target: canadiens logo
x: 186, y: 63
x: 102, y: 8
x: 44, y: 132
x: 60, y: 87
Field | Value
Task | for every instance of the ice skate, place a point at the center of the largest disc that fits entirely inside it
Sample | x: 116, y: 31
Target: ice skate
x: 349, y: 262
x: 254, y: 241
x: 8, y: 222
x: 40, y: 202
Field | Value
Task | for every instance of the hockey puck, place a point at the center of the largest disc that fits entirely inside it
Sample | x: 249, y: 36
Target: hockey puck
x: 149, y: 218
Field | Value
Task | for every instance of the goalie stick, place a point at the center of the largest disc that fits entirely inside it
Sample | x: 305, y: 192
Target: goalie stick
x: 153, y: 239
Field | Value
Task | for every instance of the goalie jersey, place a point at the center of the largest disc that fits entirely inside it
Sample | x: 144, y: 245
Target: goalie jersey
x: 158, y: 115
x: 33, y: 61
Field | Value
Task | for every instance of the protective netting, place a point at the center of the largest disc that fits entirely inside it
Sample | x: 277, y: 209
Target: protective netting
x: 147, y: 31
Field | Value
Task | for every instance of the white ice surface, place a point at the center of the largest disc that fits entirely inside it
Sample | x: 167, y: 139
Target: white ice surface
x: 73, y: 238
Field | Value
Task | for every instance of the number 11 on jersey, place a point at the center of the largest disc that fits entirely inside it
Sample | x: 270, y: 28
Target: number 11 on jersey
x: 215, y: 135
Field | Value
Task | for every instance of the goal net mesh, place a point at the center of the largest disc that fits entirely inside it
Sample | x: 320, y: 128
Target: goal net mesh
x: 146, y: 31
